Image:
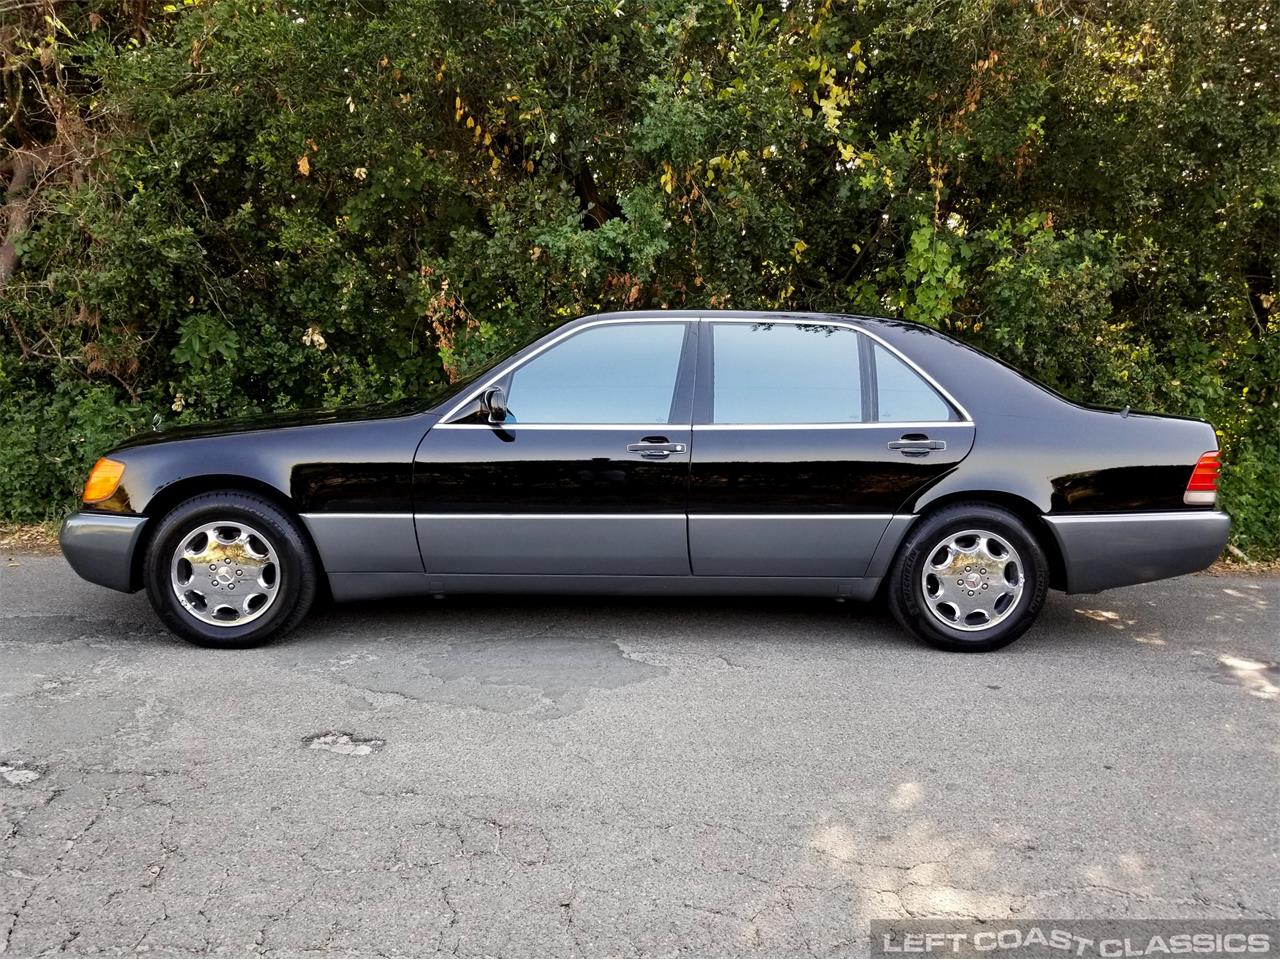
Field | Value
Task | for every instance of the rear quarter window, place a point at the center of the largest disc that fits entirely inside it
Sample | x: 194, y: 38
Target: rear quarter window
x: 903, y: 396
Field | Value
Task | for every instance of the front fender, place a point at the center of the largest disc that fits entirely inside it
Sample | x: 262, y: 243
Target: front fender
x: 363, y: 466
x: 349, y: 483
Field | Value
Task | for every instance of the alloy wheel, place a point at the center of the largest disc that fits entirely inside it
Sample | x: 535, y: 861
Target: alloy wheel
x: 972, y: 580
x: 225, y: 573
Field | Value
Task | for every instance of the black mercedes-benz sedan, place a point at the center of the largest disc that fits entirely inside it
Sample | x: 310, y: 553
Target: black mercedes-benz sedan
x: 665, y: 453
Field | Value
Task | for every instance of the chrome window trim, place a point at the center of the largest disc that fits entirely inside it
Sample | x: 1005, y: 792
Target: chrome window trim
x: 671, y: 427
x: 966, y: 419
x: 890, y: 424
x: 516, y: 362
x: 561, y: 426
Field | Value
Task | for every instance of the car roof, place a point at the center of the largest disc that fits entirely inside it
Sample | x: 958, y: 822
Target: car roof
x: 686, y: 314
x: 887, y: 327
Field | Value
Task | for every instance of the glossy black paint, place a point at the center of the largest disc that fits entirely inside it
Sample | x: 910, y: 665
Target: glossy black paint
x: 1151, y: 487
x: 327, y: 462
x: 816, y: 470
x: 520, y: 470
x: 279, y: 420
x: 1026, y: 446
x: 1056, y: 456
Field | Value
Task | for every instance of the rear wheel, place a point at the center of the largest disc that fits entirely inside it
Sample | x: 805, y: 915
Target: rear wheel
x: 229, y: 569
x: 969, y: 578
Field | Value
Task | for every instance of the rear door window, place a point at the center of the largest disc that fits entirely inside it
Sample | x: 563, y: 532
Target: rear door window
x: 765, y: 373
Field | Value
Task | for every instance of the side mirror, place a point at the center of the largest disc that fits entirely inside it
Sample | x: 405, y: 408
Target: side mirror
x: 495, y: 404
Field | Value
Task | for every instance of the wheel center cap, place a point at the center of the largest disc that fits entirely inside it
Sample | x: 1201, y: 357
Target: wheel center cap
x: 972, y: 581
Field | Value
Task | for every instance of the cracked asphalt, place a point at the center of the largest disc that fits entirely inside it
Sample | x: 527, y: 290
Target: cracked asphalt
x: 587, y: 777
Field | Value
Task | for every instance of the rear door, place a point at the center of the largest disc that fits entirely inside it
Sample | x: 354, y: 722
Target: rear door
x: 589, y: 474
x: 807, y: 438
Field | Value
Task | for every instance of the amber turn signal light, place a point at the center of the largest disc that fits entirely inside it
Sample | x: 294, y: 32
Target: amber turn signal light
x: 103, y: 480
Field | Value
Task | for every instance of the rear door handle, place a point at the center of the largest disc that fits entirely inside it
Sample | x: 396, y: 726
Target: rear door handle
x: 917, y: 448
x: 651, y: 450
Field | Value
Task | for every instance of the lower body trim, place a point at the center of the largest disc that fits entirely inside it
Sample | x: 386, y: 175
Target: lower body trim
x: 365, y: 586
x: 803, y: 545
x: 364, y: 542
x: 654, y: 544
x: 1101, y: 551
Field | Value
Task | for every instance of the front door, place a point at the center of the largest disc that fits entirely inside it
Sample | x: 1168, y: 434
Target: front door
x: 808, y: 437
x: 588, y: 474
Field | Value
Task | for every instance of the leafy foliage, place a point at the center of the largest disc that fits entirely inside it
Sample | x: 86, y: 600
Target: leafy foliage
x: 239, y: 204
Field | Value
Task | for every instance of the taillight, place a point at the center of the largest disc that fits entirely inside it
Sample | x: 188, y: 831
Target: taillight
x: 1202, y: 488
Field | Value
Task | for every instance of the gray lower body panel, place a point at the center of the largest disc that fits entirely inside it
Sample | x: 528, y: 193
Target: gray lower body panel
x: 371, y: 586
x: 742, y: 545
x: 100, y: 547
x: 890, y: 540
x: 602, y: 554
x: 365, y: 542
x: 367, y: 586
x: 577, y: 544
x: 1101, y: 551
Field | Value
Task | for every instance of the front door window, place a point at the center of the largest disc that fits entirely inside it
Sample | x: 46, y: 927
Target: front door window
x: 617, y: 374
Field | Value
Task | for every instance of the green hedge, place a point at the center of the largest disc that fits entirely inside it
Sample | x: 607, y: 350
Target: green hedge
x: 248, y: 205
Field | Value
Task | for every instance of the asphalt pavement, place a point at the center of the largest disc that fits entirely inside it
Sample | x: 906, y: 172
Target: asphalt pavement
x: 587, y: 777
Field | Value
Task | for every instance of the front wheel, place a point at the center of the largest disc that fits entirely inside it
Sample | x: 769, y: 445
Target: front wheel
x: 229, y: 569
x: 969, y: 578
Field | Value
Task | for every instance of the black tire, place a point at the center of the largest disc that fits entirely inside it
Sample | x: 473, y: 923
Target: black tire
x: 291, y: 569
x: 906, y: 589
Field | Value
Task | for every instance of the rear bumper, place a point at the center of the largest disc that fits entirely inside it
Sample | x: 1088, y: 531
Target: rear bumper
x: 101, y: 547
x: 1101, y: 551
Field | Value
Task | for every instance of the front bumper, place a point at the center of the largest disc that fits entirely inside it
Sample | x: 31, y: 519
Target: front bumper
x: 101, y: 547
x: 1104, y: 550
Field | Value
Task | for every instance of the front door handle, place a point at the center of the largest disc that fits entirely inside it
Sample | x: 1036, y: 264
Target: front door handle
x: 655, y: 450
x: 917, y: 446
